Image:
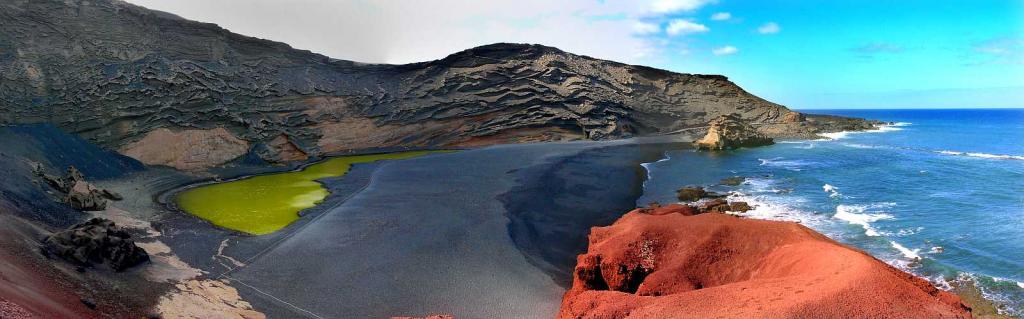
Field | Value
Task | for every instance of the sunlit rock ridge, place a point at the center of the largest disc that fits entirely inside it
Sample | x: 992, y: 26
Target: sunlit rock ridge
x: 115, y: 73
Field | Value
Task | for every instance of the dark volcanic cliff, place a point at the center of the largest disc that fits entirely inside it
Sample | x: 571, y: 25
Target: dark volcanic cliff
x: 118, y: 74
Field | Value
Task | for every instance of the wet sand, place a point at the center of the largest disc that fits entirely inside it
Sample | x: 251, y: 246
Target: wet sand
x: 431, y: 235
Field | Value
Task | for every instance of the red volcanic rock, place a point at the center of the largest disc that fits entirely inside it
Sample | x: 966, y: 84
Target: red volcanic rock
x: 665, y: 265
x: 670, y: 209
x: 427, y: 317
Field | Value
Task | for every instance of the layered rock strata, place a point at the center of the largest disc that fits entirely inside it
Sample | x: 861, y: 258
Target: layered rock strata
x: 191, y: 95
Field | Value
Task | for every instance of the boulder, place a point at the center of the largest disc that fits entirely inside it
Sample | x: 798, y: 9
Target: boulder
x: 695, y: 193
x: 79, y: 194
x: 83, y: 196
x: 739, y: 207
x: 794, y: 117
x: 691, y: 193
x: 96, y: 241
x: 717, y: 205
x: 731, y: 131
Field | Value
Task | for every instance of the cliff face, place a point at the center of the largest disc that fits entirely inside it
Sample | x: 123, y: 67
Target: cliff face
x: 114, y: 73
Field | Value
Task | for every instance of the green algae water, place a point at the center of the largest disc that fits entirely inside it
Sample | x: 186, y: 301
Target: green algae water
x: 263, y: 204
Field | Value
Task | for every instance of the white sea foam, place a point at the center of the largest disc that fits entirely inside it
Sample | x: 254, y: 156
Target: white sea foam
x: 858, y: 215
x: 911, y: 254
x: 770, y: 207
x: 982, y: 155
x: 858, y: 145
x: 878, y: 129
x: 904, y: 232
x: 831, y: 190
x: 792, y: 165
x: 647, y: 168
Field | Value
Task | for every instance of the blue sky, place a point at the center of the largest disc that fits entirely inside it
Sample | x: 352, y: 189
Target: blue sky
x: 854, y: 54
x: 803, y: 54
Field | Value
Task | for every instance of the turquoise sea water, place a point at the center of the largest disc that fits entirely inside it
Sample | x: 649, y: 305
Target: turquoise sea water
x: 943, y: 187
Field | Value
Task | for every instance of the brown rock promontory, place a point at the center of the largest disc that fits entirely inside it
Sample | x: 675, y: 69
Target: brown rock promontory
x: 731, y: 131
x: 656, y: 264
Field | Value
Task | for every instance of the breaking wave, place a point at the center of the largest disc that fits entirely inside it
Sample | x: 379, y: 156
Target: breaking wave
x: 792, y: 165
x: 982, y: 155
x: 860, y: 215
x: 898, y: 126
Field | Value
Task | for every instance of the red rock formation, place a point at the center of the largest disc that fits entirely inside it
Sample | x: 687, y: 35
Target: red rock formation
x: 665, y: 262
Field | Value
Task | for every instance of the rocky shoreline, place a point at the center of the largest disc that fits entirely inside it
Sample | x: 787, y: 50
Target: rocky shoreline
x: 539, y: 181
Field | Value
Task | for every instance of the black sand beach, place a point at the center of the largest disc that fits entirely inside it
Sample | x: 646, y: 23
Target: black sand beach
x: 466, y: 233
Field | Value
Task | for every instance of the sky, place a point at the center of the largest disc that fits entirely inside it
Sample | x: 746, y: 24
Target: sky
x: 802, y: 54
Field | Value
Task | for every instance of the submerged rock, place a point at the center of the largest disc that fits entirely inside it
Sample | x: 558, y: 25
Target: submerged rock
x: 649, y: 265
x: 96, y: 241
x: 732, y: 181
x: 731, y: 131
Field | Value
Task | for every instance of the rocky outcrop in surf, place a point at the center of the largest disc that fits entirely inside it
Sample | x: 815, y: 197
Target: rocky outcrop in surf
x: 731, y: 131
x: 666, y: 262
x: 809, y: 126
x: 132, y: 78
x: 97, y: 241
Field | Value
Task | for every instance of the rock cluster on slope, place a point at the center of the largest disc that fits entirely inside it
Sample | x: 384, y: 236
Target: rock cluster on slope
x: 667, y: 262
x: 731, y: 131
x: 96, y: 241
x: 78, y: 193
x: 119, y: 74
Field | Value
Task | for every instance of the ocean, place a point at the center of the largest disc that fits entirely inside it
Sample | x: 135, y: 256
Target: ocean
x: 939, y: 193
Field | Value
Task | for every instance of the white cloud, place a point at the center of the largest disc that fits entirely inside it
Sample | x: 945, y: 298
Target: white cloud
x: 726, y: 50
x: 396, y: 31
x: 643, y: 28
x: 684, y: 27
x: 670, y: 6
x: 769, y: 28
x: 721, y: 16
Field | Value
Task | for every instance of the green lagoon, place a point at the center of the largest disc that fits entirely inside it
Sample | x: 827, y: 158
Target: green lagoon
x: 263, y: 204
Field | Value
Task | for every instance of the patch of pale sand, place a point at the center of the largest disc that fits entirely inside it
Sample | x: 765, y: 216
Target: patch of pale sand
x: 220, y: 253
x: 191, y: 297
x: 193, y: 149
x: 164, y: 265
x: 206, y: 299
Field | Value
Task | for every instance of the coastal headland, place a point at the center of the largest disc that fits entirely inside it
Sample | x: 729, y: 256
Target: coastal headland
x: 139, y: 106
